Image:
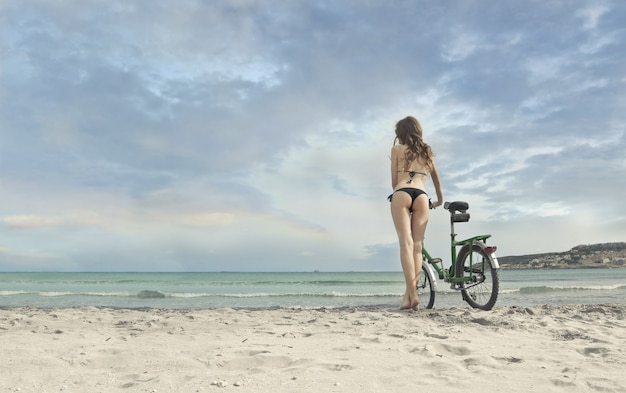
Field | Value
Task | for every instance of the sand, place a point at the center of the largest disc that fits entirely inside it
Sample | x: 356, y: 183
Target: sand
x: 509, y: 349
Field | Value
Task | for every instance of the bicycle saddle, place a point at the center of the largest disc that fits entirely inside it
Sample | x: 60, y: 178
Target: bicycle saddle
x: 457, y: 206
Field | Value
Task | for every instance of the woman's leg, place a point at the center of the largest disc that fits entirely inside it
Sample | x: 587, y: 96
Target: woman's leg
x: 400, y: 204
x: 419, y: 219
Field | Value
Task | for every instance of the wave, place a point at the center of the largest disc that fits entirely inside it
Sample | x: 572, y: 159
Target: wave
x: 282, y: 283
x: 66, y: 293
x: 205, y: 279
x: 151, y: 294
x: 551, y: 289
x: 294, y: 294
x: 159, y: 294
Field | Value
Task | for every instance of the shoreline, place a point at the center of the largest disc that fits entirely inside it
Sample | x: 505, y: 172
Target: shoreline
x: 354, y: 349
x: 324, y: 309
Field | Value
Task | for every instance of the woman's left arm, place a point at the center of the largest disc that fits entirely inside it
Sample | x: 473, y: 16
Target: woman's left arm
x: 394, y: 167
x: 435, y: 176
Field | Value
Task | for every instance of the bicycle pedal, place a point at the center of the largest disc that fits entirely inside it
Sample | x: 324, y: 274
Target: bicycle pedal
x: 434, y: 260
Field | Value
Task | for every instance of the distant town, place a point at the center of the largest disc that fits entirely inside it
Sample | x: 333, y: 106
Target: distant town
x: 600, y: 256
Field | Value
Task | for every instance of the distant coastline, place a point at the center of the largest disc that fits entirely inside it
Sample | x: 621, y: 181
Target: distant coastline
x: 592, y: 256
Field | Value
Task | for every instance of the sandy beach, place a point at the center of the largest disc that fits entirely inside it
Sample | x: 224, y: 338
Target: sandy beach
x: 509, y: 349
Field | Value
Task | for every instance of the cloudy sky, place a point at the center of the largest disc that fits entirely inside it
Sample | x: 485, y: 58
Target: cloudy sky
x: 254, y: 135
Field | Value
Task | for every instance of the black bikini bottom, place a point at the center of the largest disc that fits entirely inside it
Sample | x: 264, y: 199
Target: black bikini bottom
x: 413, y: 192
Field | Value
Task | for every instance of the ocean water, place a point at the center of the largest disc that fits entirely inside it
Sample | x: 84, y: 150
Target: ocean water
x: 293, y: 290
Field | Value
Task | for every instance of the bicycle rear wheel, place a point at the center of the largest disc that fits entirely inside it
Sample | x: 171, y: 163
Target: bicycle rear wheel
x: 426, y: 288
x: 482, y: 291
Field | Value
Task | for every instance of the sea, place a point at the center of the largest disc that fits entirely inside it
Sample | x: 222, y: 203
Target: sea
x: 309, y: 290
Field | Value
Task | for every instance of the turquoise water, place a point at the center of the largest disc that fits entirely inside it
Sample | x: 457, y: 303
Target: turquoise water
x: 292, y: 290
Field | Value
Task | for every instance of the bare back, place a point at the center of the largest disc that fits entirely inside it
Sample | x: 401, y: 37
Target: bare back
x: 407, y: 175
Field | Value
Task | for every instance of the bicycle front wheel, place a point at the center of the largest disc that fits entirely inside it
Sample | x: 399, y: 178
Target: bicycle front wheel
x: 481, y: 291
x: 426, y: 288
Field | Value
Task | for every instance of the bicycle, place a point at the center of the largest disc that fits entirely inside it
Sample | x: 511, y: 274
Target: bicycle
x: 473, y: 271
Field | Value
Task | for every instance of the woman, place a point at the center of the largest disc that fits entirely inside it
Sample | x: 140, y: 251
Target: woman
x: 411, y: 163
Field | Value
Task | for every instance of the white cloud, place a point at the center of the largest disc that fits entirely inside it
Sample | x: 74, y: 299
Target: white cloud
x: 244, y: 135
x: 461, y: 46
x: 29, y: 221
x: 596, y: 44
x: 591, y: 15
x: 545, y: 68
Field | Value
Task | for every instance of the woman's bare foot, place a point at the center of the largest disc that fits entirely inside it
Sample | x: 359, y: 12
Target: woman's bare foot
x: 406, y: 302
x: 416, y: 305
x: 409, y: 302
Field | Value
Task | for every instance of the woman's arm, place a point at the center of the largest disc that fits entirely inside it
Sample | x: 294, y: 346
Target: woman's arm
x: 435, y: 176
x: 394, y: 167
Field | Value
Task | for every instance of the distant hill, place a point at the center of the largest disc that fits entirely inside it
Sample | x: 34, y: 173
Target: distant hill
x: 605, y: 255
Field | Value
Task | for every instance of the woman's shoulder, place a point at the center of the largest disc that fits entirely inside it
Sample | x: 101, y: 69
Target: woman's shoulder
x: 398, y: 148
x: 398, y: 151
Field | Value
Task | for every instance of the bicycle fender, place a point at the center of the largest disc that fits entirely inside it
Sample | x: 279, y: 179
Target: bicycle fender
x: 431, y: 274
x: 493, y: 259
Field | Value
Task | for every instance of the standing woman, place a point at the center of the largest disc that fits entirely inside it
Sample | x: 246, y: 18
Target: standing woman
x: 411, y: 164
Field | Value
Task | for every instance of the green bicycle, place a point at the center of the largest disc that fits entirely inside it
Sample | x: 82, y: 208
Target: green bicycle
x: 473, y: 271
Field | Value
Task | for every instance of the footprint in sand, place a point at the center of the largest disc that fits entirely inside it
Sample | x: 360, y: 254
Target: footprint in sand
x: 437, y: 336
x: 460, y: 351
x: 593, y: 351
x: 509, y: 359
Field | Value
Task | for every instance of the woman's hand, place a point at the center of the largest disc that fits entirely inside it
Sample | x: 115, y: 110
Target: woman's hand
x: 436, y: 204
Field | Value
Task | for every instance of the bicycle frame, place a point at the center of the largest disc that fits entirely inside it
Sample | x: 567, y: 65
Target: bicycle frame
x: 474, y: 267
x: 451, y: 275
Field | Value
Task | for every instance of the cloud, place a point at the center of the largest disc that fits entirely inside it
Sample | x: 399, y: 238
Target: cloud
x: 254, y: 135
x: 29, y: 261
x: 27, y: 221
x: 591, y: 15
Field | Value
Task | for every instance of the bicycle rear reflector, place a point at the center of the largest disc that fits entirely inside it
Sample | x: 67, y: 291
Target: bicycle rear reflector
x: 490, y: 249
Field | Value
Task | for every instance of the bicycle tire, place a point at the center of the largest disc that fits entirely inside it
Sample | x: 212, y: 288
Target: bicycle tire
x: 426, y: 289
x: 482, y: 293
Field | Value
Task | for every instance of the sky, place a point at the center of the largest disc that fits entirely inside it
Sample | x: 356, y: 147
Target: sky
x: 254, y: 135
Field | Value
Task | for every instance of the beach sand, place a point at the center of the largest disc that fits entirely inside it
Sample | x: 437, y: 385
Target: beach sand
x: 509, y: 349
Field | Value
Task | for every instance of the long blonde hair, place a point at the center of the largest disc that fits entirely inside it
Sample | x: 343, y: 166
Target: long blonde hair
x: 409, y: 133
